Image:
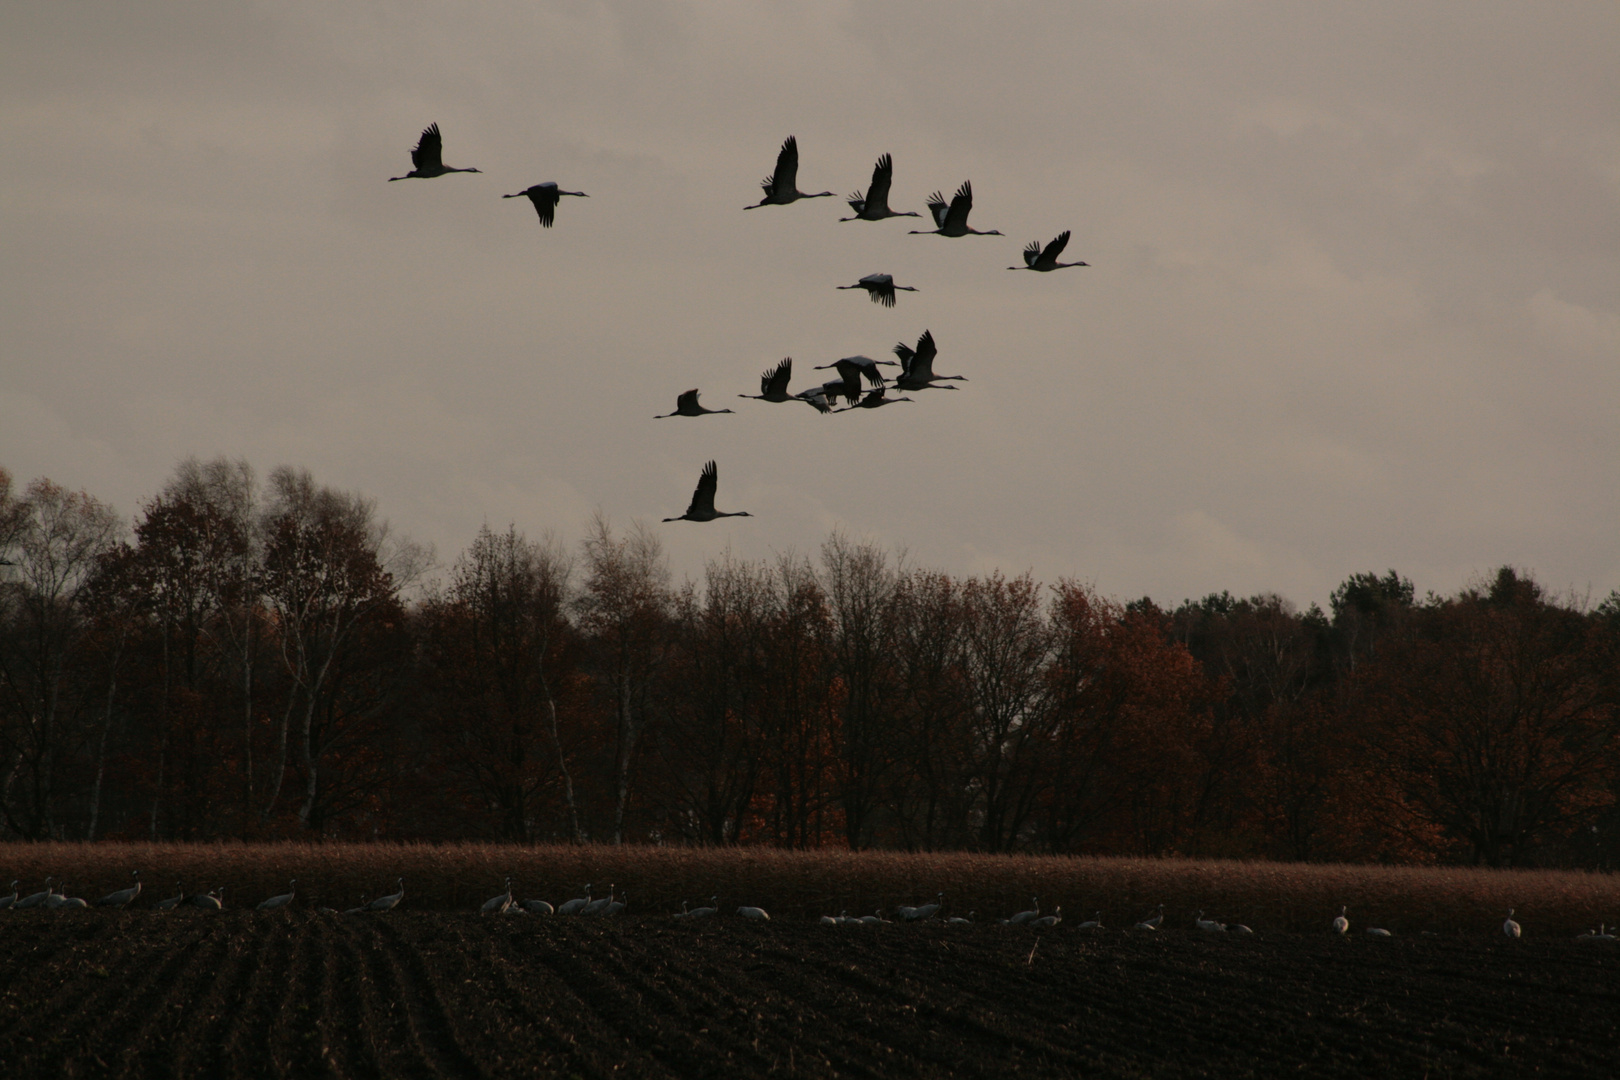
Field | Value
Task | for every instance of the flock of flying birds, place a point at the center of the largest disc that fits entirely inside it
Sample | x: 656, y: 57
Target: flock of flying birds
x: 859, y: 384
x: 614, y: 903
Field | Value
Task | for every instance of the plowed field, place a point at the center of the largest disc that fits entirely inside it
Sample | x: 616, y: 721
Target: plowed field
x: 242, y: 994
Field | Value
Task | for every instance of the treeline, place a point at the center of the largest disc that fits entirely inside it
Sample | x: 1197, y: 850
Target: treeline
x: 263, y: 661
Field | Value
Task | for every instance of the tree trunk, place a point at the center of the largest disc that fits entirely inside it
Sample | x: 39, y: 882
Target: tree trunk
x: 562, y: 760
x: 101, y: 748
x: 308, y: 759
x: 281, y: 756
x: 247, y: 717
x: 627, y: 747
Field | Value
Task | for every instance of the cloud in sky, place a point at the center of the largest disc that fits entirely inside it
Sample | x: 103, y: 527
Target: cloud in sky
x: 1352, y: 302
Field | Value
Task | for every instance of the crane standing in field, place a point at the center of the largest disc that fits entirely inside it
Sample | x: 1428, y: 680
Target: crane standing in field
x: 951, y: 218
x: 601, y: 903
x: 389, y: 902
x: 122, y: 897
x: 782, y: 186
x: 573, y: 907
x: 1043, y: 259
x: 39, y: 899
x: 702, y: 505
x: 497, y: 905
x: 280, y: 901
x: 428, y: 157
x: 1027, y: 916
x: 874, y: 205
x: 545, y: 198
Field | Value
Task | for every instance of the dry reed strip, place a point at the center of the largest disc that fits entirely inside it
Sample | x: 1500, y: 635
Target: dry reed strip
x: 458, y: 877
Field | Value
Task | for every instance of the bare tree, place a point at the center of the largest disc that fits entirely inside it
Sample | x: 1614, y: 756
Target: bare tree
x: 330, y: 569
x: 490, y: 645
x: 624, y: 609
x: 56, y: 538
x: 1006, y: 643
x: 860, y: 587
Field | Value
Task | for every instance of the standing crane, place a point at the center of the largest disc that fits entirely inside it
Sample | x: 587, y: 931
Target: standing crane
x: 7, y: 901
x: 600, y: 904
x: 1043, y: 259
x: 951, y: 218
x: 702, y: 505
x: 782, y: 186
x: 1341, y: 924
x: 687, y: 405
x: 924, y: 911
x: 917, y: 366
x: 1027, y: 916
x: 880, y: 287
x: 39, y: 899
x: 874, y: 206
x: 389, y: 902
x: 122, y: 897
x: 1049, y: 921
x: 1509, y: 927
x: 280, y: 901
x: 497, y: 905
x: 572, y: 907
x: 545, y: 198
x: 428, y: 157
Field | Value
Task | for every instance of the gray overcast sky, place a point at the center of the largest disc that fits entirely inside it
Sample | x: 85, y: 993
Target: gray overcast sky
x: 1354, y: 300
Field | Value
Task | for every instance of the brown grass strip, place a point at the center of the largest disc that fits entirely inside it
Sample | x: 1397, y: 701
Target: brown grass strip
x: 801, y: 885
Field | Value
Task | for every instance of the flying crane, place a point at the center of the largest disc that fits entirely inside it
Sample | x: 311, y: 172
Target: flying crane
x: 545, y: 198
x: 428, y: 157
x: 782, y: 186
x: 951, y: 218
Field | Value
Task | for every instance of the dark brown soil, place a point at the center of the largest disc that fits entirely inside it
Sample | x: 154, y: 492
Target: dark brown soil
x: 240, y: 994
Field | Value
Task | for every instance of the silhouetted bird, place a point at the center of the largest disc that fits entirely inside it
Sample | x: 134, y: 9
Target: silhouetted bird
x: 427, y: 157
x: 1044, y: 259
x: 880, y: 287
x: 702, y: 508
x: 782, y: 186
x: 874, y: 206
x: 951, y: 218
x: 687, y: 405
x: 545, y: 197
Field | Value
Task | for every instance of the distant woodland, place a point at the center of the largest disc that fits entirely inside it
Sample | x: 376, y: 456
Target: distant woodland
x: 261, y: 659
